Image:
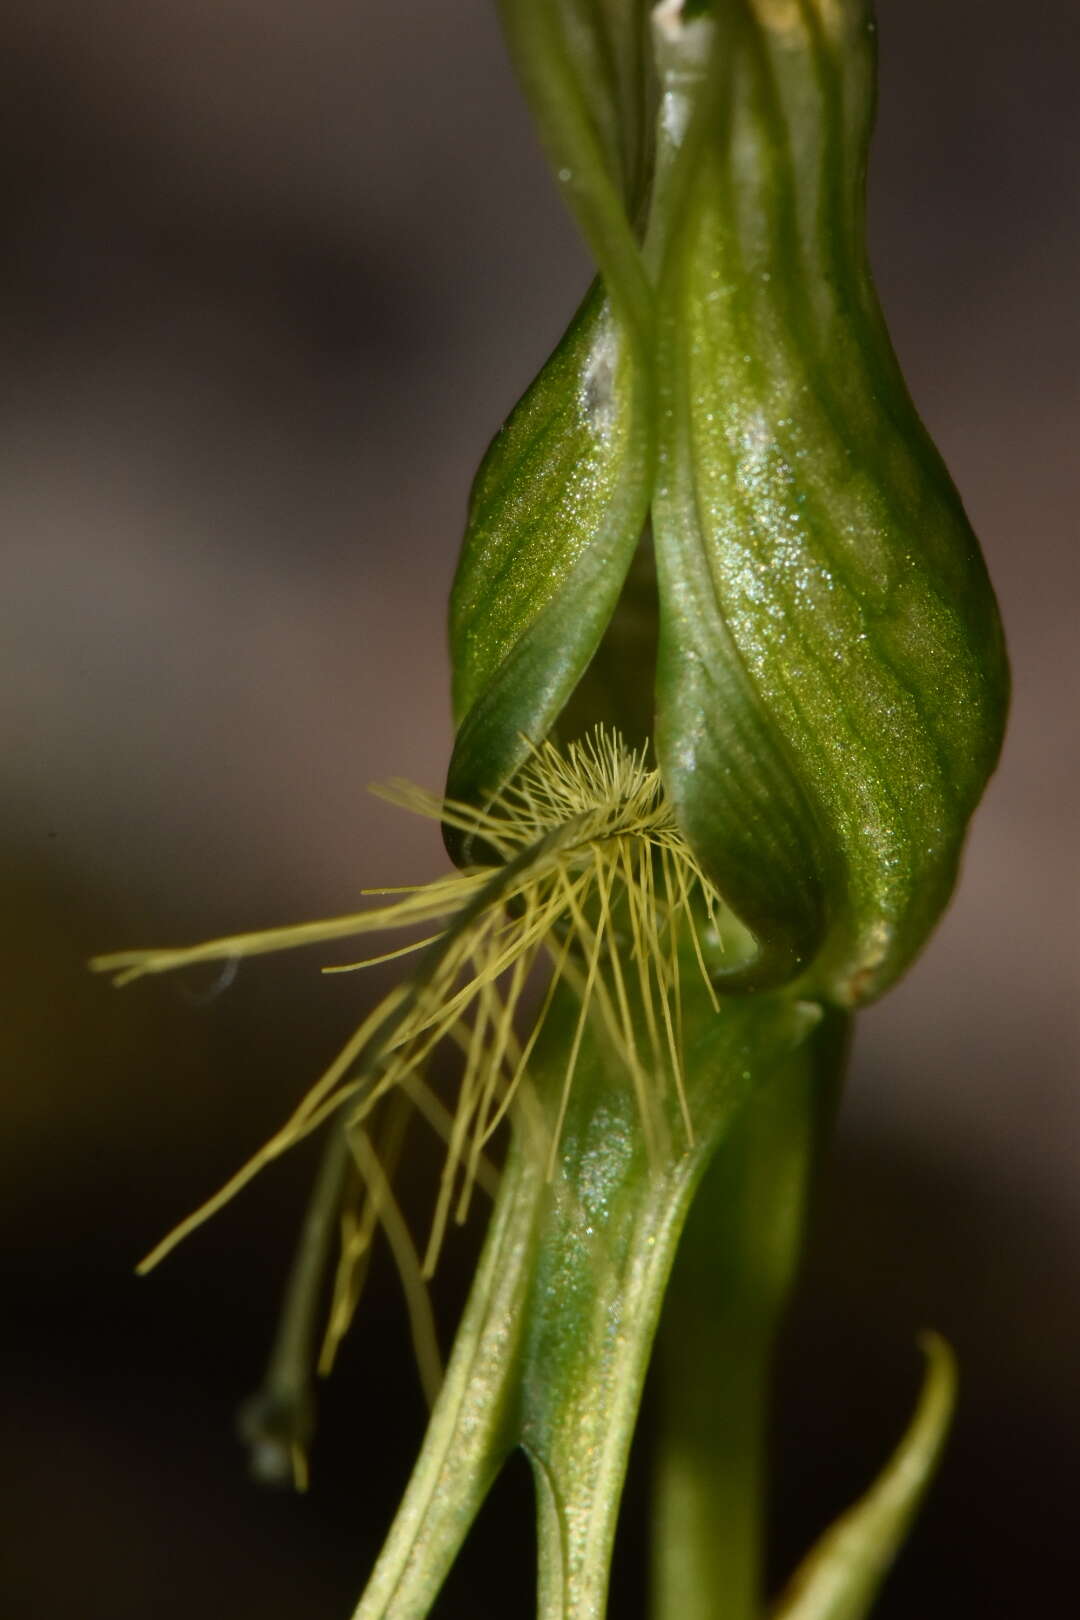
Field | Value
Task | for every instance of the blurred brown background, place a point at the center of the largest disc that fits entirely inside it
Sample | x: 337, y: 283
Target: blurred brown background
x: 273, y: 274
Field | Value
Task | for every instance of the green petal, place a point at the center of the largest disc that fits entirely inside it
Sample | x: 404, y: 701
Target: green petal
x: 729, y: 773
x: 832, y: 682
x: 560, y: 501
x: 556, y: 514
x: 841, y: 1576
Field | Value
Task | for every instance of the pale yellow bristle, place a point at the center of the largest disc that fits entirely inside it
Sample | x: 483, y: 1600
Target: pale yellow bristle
x: 599, y: 883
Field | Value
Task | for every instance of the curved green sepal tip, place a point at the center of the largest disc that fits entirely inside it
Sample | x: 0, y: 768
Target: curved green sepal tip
x: 841, y: 1576
x: 584, y: 71
x: 832, y: 682
x: 556, y: 513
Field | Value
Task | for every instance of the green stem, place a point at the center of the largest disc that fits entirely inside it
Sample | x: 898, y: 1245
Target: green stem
x: 728, y: 1288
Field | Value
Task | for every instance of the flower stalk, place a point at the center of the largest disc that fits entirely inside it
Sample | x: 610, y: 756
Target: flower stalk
x: 731, y: 1279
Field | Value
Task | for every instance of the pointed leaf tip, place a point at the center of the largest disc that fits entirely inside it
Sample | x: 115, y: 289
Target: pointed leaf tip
x: 841, y: 1576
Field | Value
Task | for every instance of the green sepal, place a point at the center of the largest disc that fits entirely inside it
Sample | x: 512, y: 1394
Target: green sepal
x: 832, y: 681
x: 610, y: 1237
x: 556, y: 513
x: 841, y: 1576
x: 552, y: 1350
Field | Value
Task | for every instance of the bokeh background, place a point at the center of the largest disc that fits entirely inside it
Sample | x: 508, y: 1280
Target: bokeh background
x: 273, y: 273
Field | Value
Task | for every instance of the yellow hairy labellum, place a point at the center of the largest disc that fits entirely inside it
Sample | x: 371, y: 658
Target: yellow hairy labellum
x: 595, y: 887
